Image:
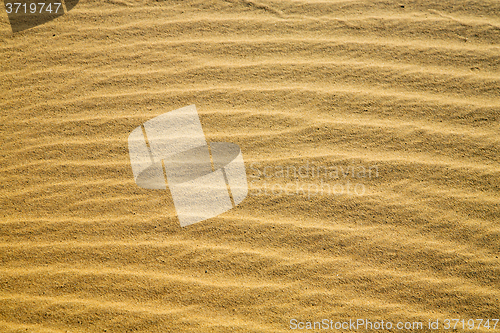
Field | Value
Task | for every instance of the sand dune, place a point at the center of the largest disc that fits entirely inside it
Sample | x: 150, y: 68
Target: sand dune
x: 410, y: 90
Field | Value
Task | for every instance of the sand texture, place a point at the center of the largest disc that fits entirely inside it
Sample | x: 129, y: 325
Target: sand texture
x: 408, y: 90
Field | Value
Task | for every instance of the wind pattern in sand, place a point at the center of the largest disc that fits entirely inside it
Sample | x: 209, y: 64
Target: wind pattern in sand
x: 411, y: 87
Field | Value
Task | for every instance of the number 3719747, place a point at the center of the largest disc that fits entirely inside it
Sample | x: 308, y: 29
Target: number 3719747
x: 32, y: 8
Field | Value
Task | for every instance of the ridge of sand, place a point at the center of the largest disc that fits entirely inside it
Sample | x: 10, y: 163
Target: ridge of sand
x: 411, y: 88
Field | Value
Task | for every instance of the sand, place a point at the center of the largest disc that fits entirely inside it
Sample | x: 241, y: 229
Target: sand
x: 398, y: 101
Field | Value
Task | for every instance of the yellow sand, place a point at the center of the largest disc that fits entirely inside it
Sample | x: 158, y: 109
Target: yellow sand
x: 412, y: 93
